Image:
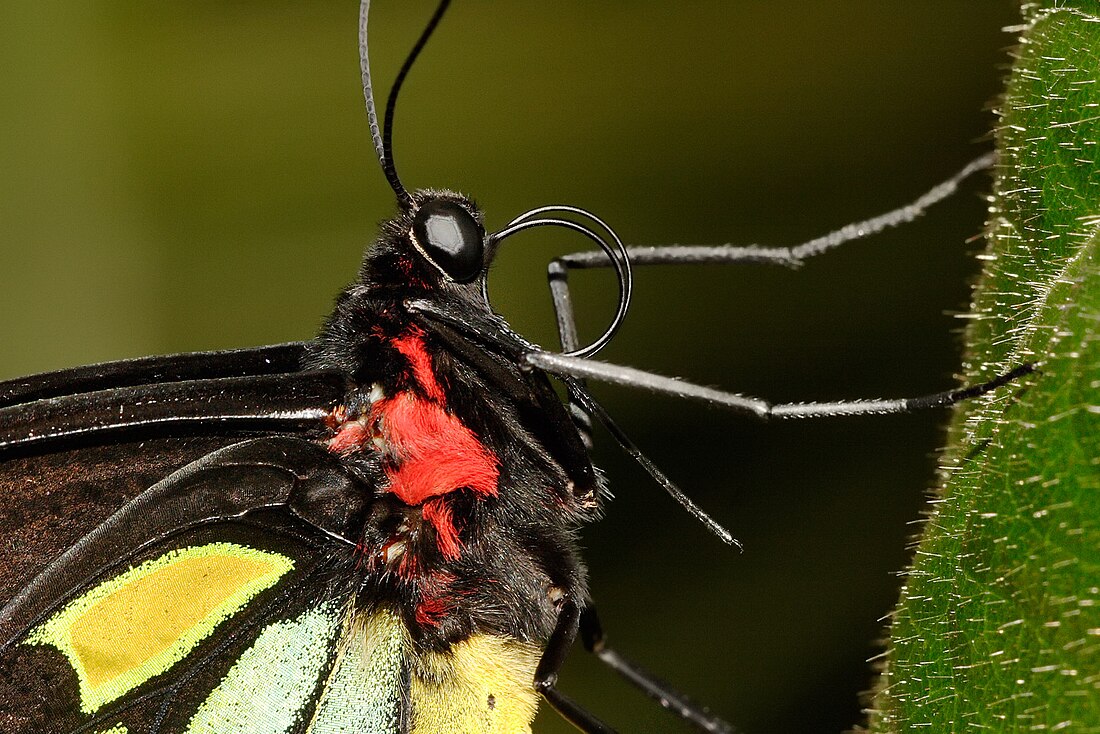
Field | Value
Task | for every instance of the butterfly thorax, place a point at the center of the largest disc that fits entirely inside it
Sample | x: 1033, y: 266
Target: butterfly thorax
x: 471, y: 527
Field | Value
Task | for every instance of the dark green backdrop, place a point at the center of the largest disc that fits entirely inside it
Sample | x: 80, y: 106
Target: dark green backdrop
x: 196, y: 176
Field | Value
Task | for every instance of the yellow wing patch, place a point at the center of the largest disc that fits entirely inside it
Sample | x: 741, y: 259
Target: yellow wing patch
x: 142, y: 622
x: 484, y: 685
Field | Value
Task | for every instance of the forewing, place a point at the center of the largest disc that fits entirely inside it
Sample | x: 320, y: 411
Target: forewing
x: 49, y: 502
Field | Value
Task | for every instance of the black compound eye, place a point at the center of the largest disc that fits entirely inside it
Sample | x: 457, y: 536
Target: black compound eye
x: 450, y: 236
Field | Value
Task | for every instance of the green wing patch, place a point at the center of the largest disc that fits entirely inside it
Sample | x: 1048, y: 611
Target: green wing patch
x: 274, y: 680
x: 363, y: 693
x: 137, y: 625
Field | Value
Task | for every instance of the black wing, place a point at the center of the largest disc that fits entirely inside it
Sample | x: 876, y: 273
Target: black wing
x: 277, y: 359
x: 77, y: 445
x: 138, y: 621
x: 101, y: 625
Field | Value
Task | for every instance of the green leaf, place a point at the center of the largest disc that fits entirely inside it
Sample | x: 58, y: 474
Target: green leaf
x: 998, y: 626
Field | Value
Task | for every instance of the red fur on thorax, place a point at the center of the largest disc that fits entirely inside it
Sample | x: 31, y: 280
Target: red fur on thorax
x: 411, y: 345
x: 430, y: 611
x: 349, y: 437
x: 431, y: 452
x: 435, y: 453
x: 435, y: 599
x: 439, y: 514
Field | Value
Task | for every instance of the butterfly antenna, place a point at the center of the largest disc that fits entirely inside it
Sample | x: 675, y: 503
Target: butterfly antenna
x: 383, y: 138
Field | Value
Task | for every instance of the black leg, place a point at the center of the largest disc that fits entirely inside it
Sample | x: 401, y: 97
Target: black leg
x: 546, y: 674
x: 581, y: 368
x: 788, y: 256
x: 594, y: 641
x: 558, y: 275
x: 574, y: 370
x: 558, y: 270
x: 632, y: 450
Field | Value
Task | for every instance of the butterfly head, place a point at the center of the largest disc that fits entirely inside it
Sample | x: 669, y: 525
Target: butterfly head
x: 436, y: 243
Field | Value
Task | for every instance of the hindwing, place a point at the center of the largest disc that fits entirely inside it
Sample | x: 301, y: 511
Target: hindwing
x: 216, y: 601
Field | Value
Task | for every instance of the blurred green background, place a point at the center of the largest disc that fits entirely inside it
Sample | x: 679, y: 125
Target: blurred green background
x: 181, y: 176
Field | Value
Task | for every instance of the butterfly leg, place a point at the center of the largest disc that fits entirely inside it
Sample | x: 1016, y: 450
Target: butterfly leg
x: 594, y: 641
x: 546, y: 674
x: 735, y: 255
x: 558, y: 270
x: 558, y: 274
x: 590, y: 369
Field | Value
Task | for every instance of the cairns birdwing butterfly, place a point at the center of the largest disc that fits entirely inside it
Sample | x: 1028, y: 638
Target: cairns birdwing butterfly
x: 372, y: 531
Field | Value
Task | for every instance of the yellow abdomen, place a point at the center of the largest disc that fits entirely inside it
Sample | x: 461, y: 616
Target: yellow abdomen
x: 482, y: 685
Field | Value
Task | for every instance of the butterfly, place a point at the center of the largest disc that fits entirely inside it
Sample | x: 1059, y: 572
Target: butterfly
x: 318, y: 558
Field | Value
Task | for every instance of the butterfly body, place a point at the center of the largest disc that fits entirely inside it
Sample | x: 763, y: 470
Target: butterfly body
x: 371, y: 532
x: 479, y: 491
x: 399, y: 569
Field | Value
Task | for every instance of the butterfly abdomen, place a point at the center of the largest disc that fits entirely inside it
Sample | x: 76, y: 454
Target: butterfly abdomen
x: 380, y: 684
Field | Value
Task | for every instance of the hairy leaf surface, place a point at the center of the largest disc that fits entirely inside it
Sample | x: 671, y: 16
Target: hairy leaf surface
x: 998, y: 627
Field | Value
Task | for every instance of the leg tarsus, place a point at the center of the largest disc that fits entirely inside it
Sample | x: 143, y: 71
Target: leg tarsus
x: 698, y: 716
x: 546, y: 674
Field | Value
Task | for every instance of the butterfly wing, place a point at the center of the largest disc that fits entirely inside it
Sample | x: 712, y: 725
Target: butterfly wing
x: 49, y: 502
x: 213, y: 601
